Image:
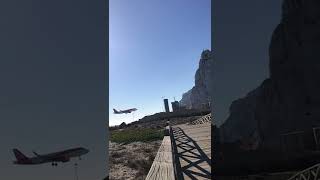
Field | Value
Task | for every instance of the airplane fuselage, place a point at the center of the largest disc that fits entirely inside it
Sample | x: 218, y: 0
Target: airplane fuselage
x: 124, y: 111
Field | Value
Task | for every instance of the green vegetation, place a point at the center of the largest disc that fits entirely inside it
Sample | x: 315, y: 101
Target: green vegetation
x: 134, y: 135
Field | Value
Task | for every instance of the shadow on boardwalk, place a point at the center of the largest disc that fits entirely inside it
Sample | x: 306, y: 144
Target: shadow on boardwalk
x: 191, y: 161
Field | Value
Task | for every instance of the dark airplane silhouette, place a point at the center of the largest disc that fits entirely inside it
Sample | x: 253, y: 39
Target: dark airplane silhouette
x: 124, y: 111
x: 61, y: 156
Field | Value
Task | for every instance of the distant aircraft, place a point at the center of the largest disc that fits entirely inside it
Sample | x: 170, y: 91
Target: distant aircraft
x: 61, y: 156
x: 124, y: 111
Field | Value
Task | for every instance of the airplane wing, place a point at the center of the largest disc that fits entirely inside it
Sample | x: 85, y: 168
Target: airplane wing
x: 57, y: 157
x: 61, y: 159
x: 131, y: 110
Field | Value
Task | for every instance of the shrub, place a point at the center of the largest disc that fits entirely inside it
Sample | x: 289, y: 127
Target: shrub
x: 135, y: 135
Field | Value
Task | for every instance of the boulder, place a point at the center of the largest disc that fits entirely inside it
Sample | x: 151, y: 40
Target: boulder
x: 122, y: 125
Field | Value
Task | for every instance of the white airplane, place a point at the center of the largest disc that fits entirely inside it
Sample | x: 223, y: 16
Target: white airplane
x: 124, y: 111
x: 61, y: 156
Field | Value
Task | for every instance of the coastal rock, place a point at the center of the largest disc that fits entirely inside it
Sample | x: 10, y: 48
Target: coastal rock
x: 198, y: 95
x: 289, y: 100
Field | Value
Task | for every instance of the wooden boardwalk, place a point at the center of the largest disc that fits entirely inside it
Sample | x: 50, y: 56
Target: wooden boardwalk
x: 162, y: 166
x: 185, y: 152
x: 193, y: 150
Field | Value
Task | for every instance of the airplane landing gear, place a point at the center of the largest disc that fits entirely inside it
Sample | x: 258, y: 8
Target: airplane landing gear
x: 54, y: 164
x: 79, y: 157
x: 76, y: 171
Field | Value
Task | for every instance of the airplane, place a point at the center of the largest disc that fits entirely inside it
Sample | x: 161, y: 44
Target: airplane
x: 124, y: 111
x: 61, y: 156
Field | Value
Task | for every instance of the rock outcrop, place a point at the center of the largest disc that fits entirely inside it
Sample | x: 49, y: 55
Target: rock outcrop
x: 196, y: 97
x: 289, y: 100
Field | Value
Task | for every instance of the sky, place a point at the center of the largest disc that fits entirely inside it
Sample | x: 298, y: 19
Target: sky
x: 241, y: 36
x: 53, y: 85
x: 154, y: 47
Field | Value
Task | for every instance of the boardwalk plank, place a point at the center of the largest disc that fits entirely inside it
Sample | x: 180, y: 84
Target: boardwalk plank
x: 194, y: 149
x: 162, y: 166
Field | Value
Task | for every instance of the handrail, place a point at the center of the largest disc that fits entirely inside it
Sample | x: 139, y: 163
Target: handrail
x: 176, y: 162
x: 162, y: 167
x: 202, y: 120
x: 310, y: 173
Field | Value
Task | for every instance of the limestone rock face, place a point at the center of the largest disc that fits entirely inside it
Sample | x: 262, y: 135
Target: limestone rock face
x: 290, y: 99
x: 241, y: 123
x: 198, y: 95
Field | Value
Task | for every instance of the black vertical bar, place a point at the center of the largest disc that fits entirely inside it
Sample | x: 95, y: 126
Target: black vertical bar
x: 176, y: 162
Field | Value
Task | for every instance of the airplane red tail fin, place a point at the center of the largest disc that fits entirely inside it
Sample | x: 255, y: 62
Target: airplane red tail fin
x: 19, y: 156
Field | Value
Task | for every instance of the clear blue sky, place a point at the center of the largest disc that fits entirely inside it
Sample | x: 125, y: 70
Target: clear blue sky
x: 155, y: 46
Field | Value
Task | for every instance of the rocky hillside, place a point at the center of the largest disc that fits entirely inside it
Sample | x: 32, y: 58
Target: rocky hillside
x: 289, y: 100
x: 198, y: 95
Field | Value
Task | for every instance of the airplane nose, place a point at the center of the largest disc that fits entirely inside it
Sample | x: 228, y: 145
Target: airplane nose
x: 86, y: 150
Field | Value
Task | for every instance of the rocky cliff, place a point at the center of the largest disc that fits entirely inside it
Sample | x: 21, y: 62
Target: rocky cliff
x: 198, y: 95
x: 289, y: 100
